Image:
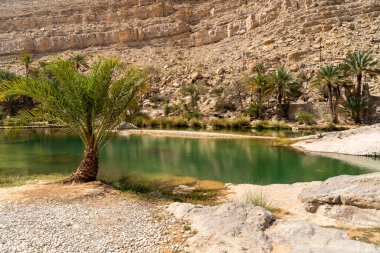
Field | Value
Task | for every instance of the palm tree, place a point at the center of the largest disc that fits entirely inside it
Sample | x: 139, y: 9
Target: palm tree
x: 79, y: 61
x: 26, y: 60
x: 259, y: 86
x: 281, y: 82
x: 9, y: 102
x: 330, y: 77
x: 353, y: 105
x: 89, y: 105
x: 357, y: 64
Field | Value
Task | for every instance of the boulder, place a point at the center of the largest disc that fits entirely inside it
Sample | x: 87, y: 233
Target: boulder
x: 301, y: 237
x: 351, y: 215
x: 228, y: 227
x: 360, y: 191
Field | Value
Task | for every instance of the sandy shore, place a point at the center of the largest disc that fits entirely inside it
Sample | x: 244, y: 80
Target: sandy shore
x: 362, y: 141
x: 192, y: 134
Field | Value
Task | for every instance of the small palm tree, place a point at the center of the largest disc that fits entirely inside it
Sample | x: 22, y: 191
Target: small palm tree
x: 78, y: 61
x: 353, y: 105
x: 357, y: 64
x: 89, y: 105
x: 330, y: 77
x: 281, y: 82
x: 26, y: 60
x: 258, y: 84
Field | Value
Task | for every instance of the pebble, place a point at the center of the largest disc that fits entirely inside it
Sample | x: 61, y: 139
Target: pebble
x: 50, y: 226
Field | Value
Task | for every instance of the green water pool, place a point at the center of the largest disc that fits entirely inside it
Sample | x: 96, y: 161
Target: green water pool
x: 235, y: 161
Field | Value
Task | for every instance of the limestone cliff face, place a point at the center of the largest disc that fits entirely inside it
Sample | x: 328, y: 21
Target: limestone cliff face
x: 219, y: 39
x: 51, y: 26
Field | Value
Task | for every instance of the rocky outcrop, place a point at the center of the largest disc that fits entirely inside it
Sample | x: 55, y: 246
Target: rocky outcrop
x: 301, y: 237
x: 359, y: 191
x: 362, y: 141
x: 228, y: 227
x: 240, y: 228
x: 352, y: 215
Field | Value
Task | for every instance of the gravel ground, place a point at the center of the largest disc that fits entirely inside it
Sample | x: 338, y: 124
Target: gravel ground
x: 92, y: 225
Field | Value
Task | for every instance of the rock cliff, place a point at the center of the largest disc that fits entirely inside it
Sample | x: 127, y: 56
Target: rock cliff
x: 219, y: 39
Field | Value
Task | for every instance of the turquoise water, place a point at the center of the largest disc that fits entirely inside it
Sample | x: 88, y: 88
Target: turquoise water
x: 235, y: 161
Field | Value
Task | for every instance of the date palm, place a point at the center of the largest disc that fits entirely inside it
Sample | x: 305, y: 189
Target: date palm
x: 26, y: 60
x: 9, y: 102
x: 281, y: 82
x: 258, y: 84
x: 358, y: 64
x: 79, y: 61
x: 89, y: 105
x: 330, y: 77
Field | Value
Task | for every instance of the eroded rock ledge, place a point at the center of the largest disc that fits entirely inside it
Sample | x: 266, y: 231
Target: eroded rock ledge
x: 359, y: 191
x: 239, y: 228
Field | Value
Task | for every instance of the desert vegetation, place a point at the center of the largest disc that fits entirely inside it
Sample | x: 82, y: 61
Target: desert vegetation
x: 262, y: 94
x: 90, y: 105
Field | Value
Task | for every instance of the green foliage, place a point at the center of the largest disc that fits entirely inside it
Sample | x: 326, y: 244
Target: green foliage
x: 356, y: 63
x: 253, y: 109
x: 194, y: 90
x: 261, y: 125
x: 224, y: 105
x: 12, y: 180
x: 162, y: 188
x: 306, y: 118
x: 329, y: 75
x: 172, y: 109
x: 282, y: 83
x: 6, y: 75
x: 162, y: 122
x: 79, y: 61
x: 236, y: 123
x: 89, y: 105
x: 354, y: 104
x: 331, y: 78
x: 217, y: 91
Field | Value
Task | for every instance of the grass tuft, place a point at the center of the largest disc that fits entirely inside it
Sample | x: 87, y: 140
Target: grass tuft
x: 258, y: 199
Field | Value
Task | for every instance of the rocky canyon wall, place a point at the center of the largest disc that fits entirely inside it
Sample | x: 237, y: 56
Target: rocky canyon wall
x: 53, y: 26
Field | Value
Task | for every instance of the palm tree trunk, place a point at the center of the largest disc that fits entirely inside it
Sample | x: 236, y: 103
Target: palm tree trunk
x: 279, y: 104
x: 358, y: 87
x: 88, y: 168
x: 331, y: 104
x: 260, y: 105
x: 356, y: 116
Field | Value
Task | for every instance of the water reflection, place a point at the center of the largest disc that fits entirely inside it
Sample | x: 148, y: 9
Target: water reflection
x: 235, y: 161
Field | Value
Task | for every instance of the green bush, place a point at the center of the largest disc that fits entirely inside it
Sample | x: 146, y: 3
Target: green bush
x: 218, y: 123
x: 306, y: 118
x: 260, y: 125
x: 224, y: 105
x: 239, y: 123
x: 253, y: 109
x: 178, y: 122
